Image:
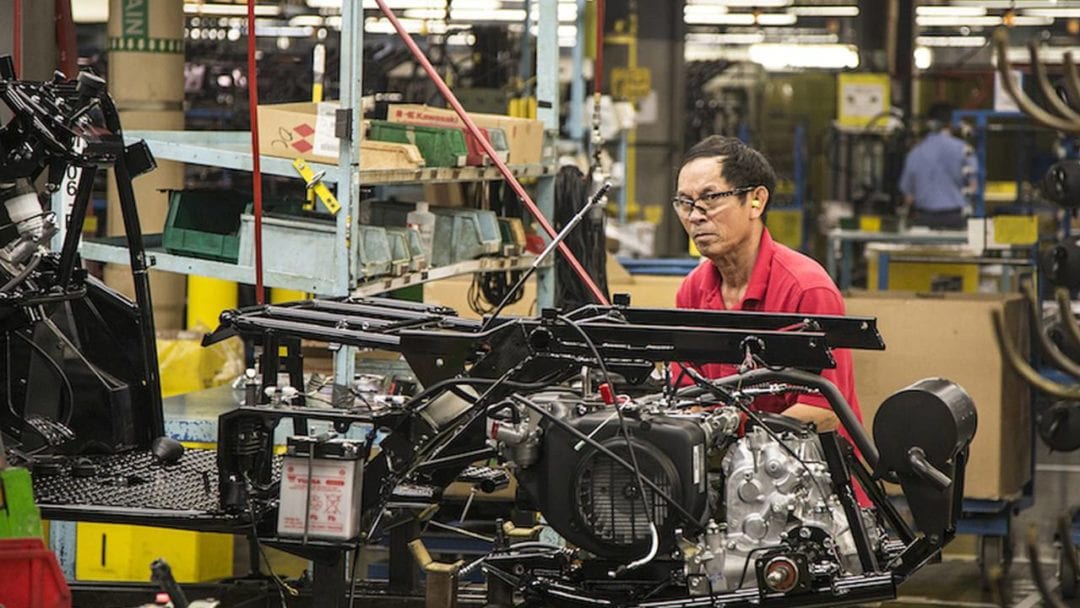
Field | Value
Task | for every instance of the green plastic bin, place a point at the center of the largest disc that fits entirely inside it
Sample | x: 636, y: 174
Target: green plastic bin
x: 440, y: 147
x: 204, y: 223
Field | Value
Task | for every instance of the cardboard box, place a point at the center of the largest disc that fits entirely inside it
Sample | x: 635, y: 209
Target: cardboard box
x: 307, y: 130
x: 952, y: 336
x: 525, y: 135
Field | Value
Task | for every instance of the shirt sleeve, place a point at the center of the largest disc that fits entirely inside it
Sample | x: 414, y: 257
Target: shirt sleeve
x: 824, y: 301
x: 907, y: 178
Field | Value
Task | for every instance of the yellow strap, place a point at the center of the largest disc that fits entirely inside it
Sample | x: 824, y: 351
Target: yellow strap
x: 314, y: 183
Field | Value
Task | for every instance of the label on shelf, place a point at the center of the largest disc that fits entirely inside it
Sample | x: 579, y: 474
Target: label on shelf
x: 326, y: 141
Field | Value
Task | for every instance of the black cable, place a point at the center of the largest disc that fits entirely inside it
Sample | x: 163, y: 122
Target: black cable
x: 281, y: 586
x: 352, y: 573
x: 612, y: 455
x: 618, y: 410
x: 70, y: 410
x: 588, y: 242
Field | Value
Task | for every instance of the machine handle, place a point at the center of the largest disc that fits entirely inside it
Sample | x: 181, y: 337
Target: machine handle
x: 923, y: 468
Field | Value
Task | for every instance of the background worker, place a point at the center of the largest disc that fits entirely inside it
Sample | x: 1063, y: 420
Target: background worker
x: 938, y: 173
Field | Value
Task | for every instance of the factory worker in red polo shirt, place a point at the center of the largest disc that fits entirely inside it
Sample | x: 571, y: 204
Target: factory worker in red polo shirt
x: 724, y: 188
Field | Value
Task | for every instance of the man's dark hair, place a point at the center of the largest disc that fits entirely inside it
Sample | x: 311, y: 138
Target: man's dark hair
x: 742, y: 165
x: 941, y: 114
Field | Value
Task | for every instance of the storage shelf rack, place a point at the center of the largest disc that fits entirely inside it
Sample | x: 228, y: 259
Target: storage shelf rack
x: 231, y: 150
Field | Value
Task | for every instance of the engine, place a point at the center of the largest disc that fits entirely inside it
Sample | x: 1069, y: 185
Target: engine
x: 744, y: 506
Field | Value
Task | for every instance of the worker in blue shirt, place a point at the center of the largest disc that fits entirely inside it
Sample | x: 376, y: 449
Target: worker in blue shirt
x: 938, y: 172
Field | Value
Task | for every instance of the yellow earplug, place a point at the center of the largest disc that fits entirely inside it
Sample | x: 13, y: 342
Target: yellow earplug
x: 755, y: 202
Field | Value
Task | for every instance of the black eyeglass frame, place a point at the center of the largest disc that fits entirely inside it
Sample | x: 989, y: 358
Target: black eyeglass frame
x: 685, y: 206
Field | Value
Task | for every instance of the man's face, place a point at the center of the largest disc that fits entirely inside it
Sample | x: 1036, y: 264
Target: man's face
x: 717, y: 227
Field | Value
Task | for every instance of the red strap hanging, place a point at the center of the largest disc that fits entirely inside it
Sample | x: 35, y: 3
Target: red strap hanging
x: 503, y: 169
x: 256, y: 169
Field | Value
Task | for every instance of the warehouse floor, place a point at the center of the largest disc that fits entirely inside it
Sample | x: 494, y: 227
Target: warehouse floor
x: 957, y: 582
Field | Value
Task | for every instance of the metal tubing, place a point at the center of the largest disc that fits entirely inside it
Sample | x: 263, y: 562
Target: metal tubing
x: 1072, y: 80
x: 1029, y: 107
x: 1017, y: 362
x: 1051, y: 350
x: 1046, y: 88
x: 1043, y: 588
x: 519, y: 190
x: 839, y: 404
x: 1072, y: 328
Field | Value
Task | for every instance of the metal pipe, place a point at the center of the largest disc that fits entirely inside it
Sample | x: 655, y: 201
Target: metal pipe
x: 1017, y: 362
x: 1072, y: 328
x: 1047, y: 595
x: 1046, y: 88
x: 1029, y: 107
x: 519, y: 190
x: 1072, y: 80
x: 1063, y: 362
x: 836, y: 399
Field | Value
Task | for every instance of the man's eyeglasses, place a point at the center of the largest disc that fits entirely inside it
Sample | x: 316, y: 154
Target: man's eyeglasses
x: 709, y: 202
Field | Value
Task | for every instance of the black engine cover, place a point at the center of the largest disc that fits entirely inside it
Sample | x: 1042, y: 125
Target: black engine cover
x: 592, y: 501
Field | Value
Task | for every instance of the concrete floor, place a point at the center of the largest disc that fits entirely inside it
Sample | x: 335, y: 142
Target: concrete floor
x: 957, y: 580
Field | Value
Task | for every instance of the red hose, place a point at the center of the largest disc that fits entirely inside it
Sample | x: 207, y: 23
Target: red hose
x: 65, y: 40
x: 447, y: 94
x: 256, y: 169
x: 16, y: 39
x: 598, y: 65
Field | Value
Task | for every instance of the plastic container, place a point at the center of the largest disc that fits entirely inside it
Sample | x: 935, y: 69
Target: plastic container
x: 423, y: 220
x: 439, y: 146
x: 30, y: 576
x: 204, y: 224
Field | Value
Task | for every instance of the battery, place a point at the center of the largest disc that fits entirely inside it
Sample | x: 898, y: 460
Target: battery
x: 321, y: 482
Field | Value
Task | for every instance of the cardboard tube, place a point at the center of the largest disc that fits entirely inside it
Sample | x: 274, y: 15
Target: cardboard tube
x: 146, y: 78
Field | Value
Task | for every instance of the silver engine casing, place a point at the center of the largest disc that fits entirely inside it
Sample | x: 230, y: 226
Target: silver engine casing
x: 768, y: 493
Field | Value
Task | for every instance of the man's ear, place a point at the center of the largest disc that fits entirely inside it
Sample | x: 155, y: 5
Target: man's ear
x: 759, y: 199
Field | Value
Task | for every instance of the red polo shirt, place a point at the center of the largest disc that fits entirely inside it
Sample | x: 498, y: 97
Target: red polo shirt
x: 783, y: 280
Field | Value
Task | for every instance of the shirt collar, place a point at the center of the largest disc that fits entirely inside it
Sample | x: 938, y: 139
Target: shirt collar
x: 759, y: 276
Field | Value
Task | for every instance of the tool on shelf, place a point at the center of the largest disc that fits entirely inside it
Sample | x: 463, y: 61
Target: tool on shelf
x: 314, y: 183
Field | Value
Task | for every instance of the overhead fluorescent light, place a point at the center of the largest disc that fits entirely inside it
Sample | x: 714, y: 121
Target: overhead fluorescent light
x: 275, y: 31
x: 198, y: 8
x: 950, y: 11
x: 924, y: 57
x: 784, y: 56
x: 503, y: 14
x: 719, y: 19
x: 90, y: 11
x: 1032, y: 20
x: 704, y: 9
x: 755, y: 3
x: 1063, y: 13
x: 824, y: 11
x: 953, y: 41
x: 708, y: 38
x: 306, y: 20
x: 1020, y: 4
x: 423, y: 13
x: 776, y: 19
x: 382, y: 25
x: 944, y: 21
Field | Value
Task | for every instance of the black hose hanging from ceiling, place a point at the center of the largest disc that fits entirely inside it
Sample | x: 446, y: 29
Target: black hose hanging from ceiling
x: 587, y: 241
